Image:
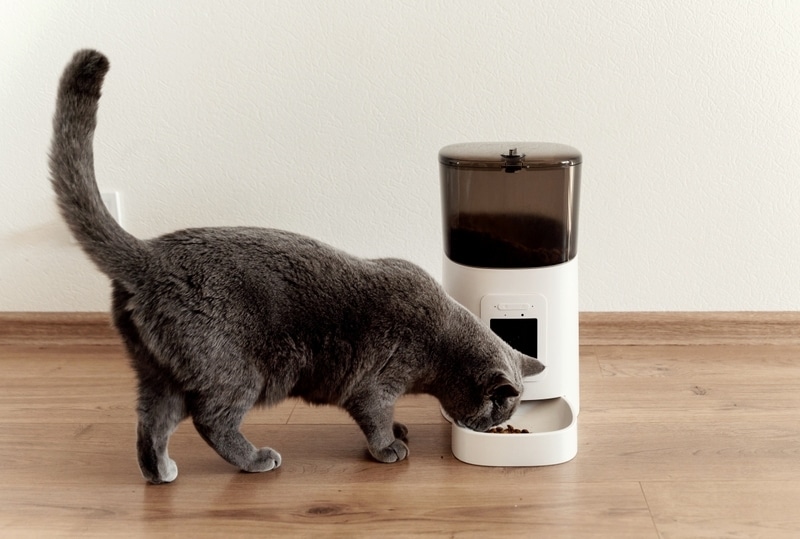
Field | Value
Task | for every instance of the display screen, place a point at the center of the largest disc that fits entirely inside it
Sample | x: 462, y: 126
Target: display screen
x: 520, y: 333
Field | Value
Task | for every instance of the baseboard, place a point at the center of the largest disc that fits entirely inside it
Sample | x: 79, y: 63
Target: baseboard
x: 690, y: 328
x: 596, y: 328
x: 77, y: 328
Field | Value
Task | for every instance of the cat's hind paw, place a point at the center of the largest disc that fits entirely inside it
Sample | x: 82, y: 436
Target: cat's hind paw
x: 400, y: 431
x: 171, y: 471
x: 394, y: 452
x: 166, y: 473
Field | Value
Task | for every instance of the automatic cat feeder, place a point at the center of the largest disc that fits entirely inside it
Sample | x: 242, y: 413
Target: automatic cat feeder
x: 510, y: 213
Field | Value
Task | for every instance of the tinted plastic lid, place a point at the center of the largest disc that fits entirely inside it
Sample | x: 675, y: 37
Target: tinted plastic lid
x: 520, y: 155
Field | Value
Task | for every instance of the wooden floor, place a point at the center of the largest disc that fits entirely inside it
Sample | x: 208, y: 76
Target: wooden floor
x: 674, y: 441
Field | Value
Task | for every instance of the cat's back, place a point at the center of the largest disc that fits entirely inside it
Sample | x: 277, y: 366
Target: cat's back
x: 248, y: 285
x: 241, y: 262
x: 258, y: 269
x: 238, y: 280
x: 239, y: 241
x: 205, y: 250
x: 237, y: 251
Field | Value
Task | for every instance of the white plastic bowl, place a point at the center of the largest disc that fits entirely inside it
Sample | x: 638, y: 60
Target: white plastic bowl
x: 552, y: 439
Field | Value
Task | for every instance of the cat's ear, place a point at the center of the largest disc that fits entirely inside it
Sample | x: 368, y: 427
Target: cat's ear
x: 530, y: 366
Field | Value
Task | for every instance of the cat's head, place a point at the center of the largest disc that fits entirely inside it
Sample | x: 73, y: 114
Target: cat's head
x: 482, y: 384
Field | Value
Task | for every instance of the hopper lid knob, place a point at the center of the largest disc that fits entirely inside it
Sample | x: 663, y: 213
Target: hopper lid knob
x: 512, y: 160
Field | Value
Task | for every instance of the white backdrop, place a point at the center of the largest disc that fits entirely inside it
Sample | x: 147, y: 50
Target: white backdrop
x: 326, y: 118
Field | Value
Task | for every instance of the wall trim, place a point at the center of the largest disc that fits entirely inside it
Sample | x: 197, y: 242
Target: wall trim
x: 78, y: 328
x: 597, y: 328
x: 690, y: 328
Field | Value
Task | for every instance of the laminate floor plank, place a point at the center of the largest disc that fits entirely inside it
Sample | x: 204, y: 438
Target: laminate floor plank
x: 726, y: 509
x: 674, y: 441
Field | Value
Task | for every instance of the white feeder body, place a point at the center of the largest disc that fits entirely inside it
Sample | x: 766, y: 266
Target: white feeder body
x: 510, y: 223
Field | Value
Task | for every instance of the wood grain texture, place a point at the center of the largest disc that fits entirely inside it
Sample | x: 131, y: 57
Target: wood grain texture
x: 688, y: 440
x: 725, y: 509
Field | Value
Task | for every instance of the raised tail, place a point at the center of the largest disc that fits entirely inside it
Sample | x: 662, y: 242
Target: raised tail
x: 115, y: 252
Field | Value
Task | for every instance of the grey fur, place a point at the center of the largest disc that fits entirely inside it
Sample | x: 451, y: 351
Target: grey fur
x: 217, y: 320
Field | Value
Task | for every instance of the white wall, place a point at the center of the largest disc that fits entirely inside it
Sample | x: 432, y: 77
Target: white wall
x: 326, y: 118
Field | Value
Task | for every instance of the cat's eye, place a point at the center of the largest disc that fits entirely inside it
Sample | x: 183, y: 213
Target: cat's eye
x: 500, y: 399
x: 504, y: 392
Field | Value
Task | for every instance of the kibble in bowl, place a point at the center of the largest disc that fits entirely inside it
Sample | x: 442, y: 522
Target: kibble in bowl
x: 508, y: 429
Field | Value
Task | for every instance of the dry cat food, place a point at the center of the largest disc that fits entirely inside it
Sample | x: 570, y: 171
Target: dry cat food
x: 506, y: 241
x: 508, y: 429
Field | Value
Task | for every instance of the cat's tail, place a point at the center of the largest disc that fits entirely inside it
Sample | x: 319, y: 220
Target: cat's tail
x: 116, y: 253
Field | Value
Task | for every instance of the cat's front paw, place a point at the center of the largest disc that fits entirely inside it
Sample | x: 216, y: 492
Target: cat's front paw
x: 265, y: 459
x: 394, y: 452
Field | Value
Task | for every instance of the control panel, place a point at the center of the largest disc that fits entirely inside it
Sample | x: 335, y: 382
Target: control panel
x: 519, y: 320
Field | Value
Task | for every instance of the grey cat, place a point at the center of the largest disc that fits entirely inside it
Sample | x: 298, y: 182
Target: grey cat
x: 218, y: 320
